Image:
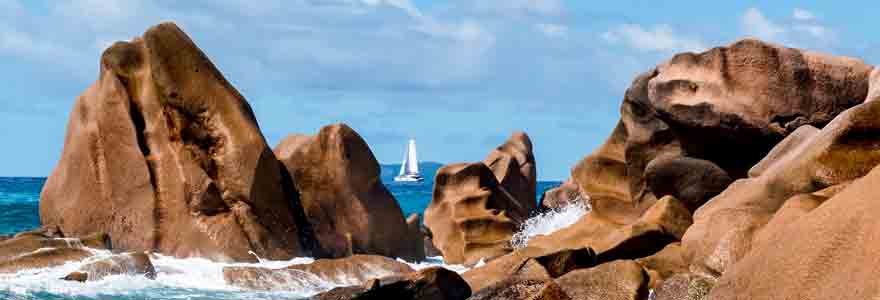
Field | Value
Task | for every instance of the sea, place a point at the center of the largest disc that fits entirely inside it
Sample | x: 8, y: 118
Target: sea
x: 195, y: 278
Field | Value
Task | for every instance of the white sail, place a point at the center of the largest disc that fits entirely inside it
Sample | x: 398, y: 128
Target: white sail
x: 412, y: 163
x: 403, y: 163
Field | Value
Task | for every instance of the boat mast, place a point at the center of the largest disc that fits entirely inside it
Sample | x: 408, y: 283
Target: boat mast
x: 412, y: 163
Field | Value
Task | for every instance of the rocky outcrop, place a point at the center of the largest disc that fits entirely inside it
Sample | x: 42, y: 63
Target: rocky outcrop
x: 121, y: 264
x: 563, y: 195
x: 513, y: 164
x: 693, y: 181
x: 471, y: 216
x: 428, y: 284
x: 521, y: 289
x: 818, y: 245
x: 728, y: 106
x: 664, y: 264
x: 686, y: 286
x: 350, y: 270
x: 343, y: 198
x: 806, y: 162
x: 45, y: 247
x: 163, y: 154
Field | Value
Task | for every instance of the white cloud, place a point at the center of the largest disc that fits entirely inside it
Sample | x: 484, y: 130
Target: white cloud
x: 552, y: 30
x: 546, y: 7
x: 756, y: 24
x: 802, y: 14
x: 660, y: 38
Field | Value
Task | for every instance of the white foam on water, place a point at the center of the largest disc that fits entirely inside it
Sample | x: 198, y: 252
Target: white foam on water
x: 549, y: 222
x: 177, y: 278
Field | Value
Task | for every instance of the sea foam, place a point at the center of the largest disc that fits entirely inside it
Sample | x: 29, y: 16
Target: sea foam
x: 549, y: 222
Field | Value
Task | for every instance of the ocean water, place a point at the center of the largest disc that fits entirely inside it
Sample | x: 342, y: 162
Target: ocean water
x: 184, y: 278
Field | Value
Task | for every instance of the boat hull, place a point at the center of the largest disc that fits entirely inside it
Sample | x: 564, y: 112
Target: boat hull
x: 409, y: 178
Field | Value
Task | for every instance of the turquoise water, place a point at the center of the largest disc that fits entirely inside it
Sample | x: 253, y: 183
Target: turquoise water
x: 191, y: 278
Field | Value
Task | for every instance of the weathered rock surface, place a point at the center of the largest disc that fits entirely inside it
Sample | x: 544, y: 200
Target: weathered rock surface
x: 43, y: 258
x: 344, y: 200
x: 808, y: 161
x: 563, y: 195
x: 351, y: 270
x: 519, y: 289
x: 428, y: 284
x: 728, y: 106
x: 28, y: 242
x: 127, y: 263
x: 513, y: 164
x: 664, y: 264
x: 616, y: 280
x: 471, y: 216
x: 163, y: 154
x: 686, y: 286
x: 827, y: 253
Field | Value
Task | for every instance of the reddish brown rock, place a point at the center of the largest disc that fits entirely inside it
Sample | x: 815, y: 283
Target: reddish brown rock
x: 686, y: 286
x: 827, y: 253
x: 28, y: 242
x: 165, y: 155
x: 617, y: 280
x: 344, y: 200
x: 428, y: 284
x: 514, y: 166
x: 690, y: 180
x: 521, y: 289
x: 471, y: 216
x: 664, y: 264
x: 563, y: 195
x: 728, y: 106
x: 519, y: 264
x: 351, y: 270
x: 43, y: 258
x: 725, y: 228
x: 127, y: 263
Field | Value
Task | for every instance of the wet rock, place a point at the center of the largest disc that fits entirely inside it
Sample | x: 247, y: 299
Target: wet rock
x: 28, y: 242
x: 617, y: 280
x: 513, y: 164
x: 121, y: 264
x: 163, y: 154
x: 428, y: 284
x: 560, y: 197
x: 43, y: 258
x: 471, y: 216
x: 350, y: 270
x: 337, y: 177
x: 724, y: 229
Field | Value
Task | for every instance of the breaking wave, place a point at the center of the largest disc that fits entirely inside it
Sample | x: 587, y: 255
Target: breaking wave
x: 549, y: 222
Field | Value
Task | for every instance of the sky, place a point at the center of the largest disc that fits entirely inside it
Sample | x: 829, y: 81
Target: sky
x: 458, y: 76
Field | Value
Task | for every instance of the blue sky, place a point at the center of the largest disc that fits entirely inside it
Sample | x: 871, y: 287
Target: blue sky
x: 459, y: 76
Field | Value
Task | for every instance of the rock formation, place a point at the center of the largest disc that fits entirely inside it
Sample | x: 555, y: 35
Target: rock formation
x: 163, y: 154
x: 471, y: 216
x: 806, y: 162
x: 343, y: 198
x: 45, y: 248
x: 563, y: 195
x: 514, y: 166
x: 350, y: 270
x: 728, y: 106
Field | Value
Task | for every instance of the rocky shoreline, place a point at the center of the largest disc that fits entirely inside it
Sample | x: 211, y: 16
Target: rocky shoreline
x: 742, y: 172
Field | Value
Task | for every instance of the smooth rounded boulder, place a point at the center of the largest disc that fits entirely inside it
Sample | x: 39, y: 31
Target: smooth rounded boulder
x: 351, y: 270
x: 471, y: 216
x: 163, y: 154
x: 343, y: 198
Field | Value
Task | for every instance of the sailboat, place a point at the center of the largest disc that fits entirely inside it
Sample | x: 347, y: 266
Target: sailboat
x: 409, y: 168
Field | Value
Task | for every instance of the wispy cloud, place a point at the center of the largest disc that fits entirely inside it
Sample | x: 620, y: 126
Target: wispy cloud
x: 802, y: 14
x: 660, y: 38
x: 756, y: 24
x: 804, y: 29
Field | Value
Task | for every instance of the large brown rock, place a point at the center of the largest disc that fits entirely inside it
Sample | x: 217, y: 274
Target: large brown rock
x: 344, y: 200
x: 28, y: 242
x: 43, y: 258
x: 808, y: 161
x: 521, y: 289
x: 163, y: 154
x: 616, y: 280
x: 428, y: 284
x: 728, y: 106
x: 693, y: 181
x: 471, y: 216
x: 513, y: 164
x: 827, y: 253
x: 686, y: 286
x: 350, y: 270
